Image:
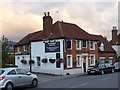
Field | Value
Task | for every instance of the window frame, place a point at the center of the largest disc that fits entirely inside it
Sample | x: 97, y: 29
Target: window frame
x: 38, y: 62
x: 80, y: 61
x: 78, y: 44
x: 71, y: 64
x: 67, y: 44
x: 92, y: 64
x: 18, y: 49
x: 85, y: 44
x: 93, y: 45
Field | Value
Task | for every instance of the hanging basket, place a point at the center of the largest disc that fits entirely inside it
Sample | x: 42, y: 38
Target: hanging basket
x: 23, y: 61
x: 52, y: 60
x: 44, y: 60
x: 59, y: 60
x: 31, y: 61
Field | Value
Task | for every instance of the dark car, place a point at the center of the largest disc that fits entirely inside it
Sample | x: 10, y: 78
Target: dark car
x: 101, y: 69
x: 117, y: 66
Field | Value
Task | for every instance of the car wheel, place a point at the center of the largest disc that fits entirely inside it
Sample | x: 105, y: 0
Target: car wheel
x: 112, y: 70
x: 34, y: 83
x: 9, y: 86
x: 102, y: 72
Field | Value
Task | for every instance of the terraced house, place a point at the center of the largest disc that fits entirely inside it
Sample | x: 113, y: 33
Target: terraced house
x: 61, y: 48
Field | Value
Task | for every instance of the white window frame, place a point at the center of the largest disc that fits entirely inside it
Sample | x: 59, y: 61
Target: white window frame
x: 18, y: 49
x: 71, y: 64
x: 79, y: 61
x: 78, y: 44
x: 38, y: 61
x: 71, y: 44
x: 91, y: 45
x: 82, y: 44
x: 93, y: 59
x: 25, y: 47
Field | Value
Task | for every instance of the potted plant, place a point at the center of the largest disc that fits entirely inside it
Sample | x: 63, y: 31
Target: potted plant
x: 52, y: 60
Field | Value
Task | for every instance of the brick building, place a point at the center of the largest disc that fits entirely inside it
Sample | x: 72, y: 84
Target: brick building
x: 61, y: 48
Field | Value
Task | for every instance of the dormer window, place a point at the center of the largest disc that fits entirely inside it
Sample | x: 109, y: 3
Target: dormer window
x: 69, y: 44
x: 102, y: 47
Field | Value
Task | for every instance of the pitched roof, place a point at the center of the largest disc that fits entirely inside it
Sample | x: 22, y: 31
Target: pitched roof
x: 63, y: 30
x: 107, y: 46
x: 26, y: 39
x: 57, y: 30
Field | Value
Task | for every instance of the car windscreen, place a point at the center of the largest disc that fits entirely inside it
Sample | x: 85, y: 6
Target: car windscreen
x: 1, y: 72
x: 101, y: 65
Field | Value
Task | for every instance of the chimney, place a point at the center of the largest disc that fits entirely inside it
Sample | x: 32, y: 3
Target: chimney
x: 47, y: 20
x: 114, y: 35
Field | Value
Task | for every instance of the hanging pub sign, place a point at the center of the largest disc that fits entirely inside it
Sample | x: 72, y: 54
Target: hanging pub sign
x: 52, y: 47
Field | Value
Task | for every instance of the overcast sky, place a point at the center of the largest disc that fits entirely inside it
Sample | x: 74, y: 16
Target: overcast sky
x: 18, y: 18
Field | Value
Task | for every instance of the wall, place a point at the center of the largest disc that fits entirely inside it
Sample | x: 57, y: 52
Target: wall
x: 38, y: 50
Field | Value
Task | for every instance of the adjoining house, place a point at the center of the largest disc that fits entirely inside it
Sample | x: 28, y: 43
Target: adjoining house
x: 61, y: 48
x: 115, y: 42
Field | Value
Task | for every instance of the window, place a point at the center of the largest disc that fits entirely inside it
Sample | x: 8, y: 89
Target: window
x: 92, y: 45
x: 38, y: 61
x: 69, y: 61
x: 78, y: 44
x: 18, y: 49
x: 78, y: 61
x: 92, y: 59
x: 21, y: 71
x: 69, y: 44
x: 12, y: 72
x: 25, y: 47
x: 84, y: 43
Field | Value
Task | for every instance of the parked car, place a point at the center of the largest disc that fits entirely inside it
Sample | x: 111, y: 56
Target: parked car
x: 15, y: 77
x: 117, y: 66
x: 101, y: 69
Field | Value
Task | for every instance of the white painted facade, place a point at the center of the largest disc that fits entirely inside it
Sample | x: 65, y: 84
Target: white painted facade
x: 18, y: 62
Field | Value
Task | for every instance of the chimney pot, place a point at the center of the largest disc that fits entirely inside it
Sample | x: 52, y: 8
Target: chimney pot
x: 45, y: 13
x: 48, y: 13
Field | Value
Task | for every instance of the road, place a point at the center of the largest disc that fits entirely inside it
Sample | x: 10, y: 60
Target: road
x: 87, y: 81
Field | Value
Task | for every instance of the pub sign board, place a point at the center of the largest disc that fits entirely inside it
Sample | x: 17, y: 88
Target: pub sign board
x: 52, y: 47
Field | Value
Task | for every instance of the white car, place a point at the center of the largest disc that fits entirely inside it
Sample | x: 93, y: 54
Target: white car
x: 15, y: 77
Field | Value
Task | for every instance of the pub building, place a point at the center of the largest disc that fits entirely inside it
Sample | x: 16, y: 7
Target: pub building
x: 60, y: 48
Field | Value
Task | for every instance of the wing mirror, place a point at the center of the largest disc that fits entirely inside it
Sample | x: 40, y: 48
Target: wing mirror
x: 28, y: 73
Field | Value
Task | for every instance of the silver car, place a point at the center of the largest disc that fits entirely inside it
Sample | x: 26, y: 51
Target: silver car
x: 15, y: 77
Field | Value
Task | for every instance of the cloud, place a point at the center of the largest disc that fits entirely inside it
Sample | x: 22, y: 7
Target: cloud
x: 21, y: 18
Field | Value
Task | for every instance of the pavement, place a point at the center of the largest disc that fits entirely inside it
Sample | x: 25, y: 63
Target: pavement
x: 42, y: 78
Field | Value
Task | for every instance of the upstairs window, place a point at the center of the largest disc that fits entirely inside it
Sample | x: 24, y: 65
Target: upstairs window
x: 25, y: 47
x: 92, y: 45
x: 78, y: 44
x: 69, y: 44
x: 84, y: 43
x: 18, y: 49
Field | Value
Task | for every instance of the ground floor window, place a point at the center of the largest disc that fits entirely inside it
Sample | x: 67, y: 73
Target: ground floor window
x: 92, y: 59
x: 110, y: 61
x: 38, y: 61
x: 78, y: 61
x: 69, y: 61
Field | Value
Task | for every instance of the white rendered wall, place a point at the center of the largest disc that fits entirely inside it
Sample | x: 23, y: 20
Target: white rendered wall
x: 38, y: 50
x: 18, y: 59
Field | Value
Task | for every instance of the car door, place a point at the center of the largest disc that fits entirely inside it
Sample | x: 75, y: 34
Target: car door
x: 12, y: 76
x: 24, y: 79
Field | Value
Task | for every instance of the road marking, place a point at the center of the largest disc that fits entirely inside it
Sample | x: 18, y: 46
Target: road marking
x: 103, y: 79
x: 79, y: 85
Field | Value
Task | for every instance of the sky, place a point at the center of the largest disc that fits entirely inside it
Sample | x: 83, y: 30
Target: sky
x: 21, y: 17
